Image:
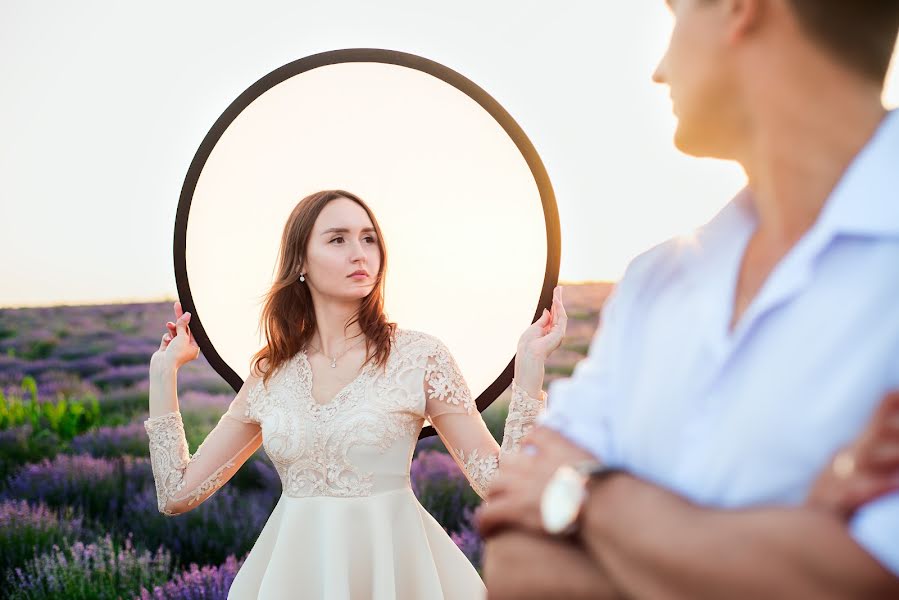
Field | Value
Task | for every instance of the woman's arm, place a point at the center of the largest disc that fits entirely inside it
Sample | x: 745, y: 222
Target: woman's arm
x: 184, y: 481
x: 461, y: 427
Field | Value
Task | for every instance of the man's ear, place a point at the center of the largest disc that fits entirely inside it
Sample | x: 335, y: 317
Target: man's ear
x: 742, y: 17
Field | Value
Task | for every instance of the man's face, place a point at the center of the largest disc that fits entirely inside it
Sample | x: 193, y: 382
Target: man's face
x: 699, y: 72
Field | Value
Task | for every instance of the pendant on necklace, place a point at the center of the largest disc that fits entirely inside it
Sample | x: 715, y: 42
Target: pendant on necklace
x: 333, y: 364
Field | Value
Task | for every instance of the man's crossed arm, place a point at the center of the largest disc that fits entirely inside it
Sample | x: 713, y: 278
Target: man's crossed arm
x: 639, y: 540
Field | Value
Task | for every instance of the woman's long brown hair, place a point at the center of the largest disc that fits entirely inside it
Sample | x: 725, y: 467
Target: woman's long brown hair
x: 288, y: 316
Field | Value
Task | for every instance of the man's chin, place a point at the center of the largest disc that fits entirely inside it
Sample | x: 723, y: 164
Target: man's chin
x: 690, y: 142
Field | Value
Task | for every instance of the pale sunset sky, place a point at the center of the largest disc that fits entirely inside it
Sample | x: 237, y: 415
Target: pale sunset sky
x: 105, y: 104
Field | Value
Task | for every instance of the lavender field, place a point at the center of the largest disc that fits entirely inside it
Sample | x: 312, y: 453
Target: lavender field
x: 78, y: 515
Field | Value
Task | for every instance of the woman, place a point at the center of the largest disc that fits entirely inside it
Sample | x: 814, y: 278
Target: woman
x: 338, y: 397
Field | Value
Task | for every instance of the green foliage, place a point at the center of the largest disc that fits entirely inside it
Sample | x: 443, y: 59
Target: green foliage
x: 579, y: 348
x: 565, y: 370
x: 122, y: 407
x: 198, y: 423
x: 39, y: 349
x: 67, y: 417
x: 582, y: 315
x: 495, y: 418
x: 22, y: 445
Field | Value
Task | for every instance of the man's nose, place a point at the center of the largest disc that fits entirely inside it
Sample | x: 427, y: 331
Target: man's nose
x: 657, y: 75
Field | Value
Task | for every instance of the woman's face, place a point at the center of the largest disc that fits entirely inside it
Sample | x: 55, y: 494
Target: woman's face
x: 342, y: 243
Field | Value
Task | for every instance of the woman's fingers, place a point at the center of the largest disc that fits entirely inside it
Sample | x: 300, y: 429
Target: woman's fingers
x: 181, y: 324
x: 869, y: 489
x: 883, y: 456
x: 878, y: 446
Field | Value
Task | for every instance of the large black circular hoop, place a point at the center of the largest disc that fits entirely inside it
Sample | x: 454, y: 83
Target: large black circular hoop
x: 364, y: 55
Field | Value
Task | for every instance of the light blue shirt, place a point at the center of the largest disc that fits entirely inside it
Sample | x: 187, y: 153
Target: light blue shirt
x: 751, y: 417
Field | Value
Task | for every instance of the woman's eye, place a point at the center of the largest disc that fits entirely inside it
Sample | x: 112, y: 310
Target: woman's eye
x: 369, y: 239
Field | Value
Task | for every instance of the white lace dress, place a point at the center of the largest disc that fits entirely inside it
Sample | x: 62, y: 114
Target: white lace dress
x: 347, y: 525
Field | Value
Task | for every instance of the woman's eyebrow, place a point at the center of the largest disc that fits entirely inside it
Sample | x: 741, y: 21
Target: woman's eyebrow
x: 345, y: 230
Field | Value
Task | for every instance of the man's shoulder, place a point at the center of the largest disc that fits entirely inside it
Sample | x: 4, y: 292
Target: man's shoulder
x: 677, y: 256
x: 653, y: 267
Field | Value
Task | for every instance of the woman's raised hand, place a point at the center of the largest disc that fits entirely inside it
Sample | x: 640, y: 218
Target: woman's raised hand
x: 178, y: 347
x: 536, y: 344
x: 545, y: 334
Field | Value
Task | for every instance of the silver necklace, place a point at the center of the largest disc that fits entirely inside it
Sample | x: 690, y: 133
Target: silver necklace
x: 334, y: 359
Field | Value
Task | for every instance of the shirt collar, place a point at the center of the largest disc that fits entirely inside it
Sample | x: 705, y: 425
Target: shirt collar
x: 864, y: 202
x: 866, y: 199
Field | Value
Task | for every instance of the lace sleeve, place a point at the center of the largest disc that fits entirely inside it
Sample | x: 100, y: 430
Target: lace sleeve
x: 454, y: 415
x: 184, y: 481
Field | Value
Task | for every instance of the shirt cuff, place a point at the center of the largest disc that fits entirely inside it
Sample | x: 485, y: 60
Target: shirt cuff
x: 875, y: 527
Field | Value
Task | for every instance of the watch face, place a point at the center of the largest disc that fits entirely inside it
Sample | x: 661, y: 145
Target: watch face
x: 561, y: 500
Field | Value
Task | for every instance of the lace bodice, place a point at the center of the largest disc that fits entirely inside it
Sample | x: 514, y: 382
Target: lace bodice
x: 358, y: 443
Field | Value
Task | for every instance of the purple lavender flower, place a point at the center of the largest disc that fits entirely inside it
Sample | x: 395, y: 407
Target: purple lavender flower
x: 28, y: 528
x: 441, y: 487
x: 206, y: 583
x: 469, y: 540
x: 430, y: 467
x: 96, y: 486
x: 111, y: 442
x: 228, y: 522
x: 121, y: 376
x: 97, y: 570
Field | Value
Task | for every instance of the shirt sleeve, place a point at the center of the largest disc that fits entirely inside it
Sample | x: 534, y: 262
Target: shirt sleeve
x: 184, y: 481
x: 580, y: 407
x: 457, y: 420
x: 875, y: 527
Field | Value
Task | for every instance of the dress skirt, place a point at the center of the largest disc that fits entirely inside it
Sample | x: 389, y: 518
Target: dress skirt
x: 380, y: 547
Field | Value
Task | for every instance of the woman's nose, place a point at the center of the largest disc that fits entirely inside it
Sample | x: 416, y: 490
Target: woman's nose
x: 358, y: 252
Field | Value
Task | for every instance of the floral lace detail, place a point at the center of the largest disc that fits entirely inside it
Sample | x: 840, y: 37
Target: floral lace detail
x: 309, y: 442
x: 211, y: 483
x: 480, y: 470
x: 523, y: 412
x: 169, y: 456
x: 445, y: 381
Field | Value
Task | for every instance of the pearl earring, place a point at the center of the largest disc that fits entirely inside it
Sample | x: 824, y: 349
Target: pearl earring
x: 302, y: 278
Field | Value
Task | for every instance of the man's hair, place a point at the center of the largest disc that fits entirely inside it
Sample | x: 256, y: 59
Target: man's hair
x: 861, y: 33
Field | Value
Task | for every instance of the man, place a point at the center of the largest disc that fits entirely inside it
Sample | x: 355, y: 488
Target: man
x: 731, y: 366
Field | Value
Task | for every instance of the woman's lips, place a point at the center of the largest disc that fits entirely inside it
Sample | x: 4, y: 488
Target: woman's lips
x: 358, y: 275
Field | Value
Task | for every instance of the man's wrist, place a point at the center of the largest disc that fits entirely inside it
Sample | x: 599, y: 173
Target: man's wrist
x: 567, y: 495
x: 601, y: 495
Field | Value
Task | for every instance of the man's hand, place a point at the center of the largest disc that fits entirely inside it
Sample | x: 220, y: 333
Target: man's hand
x: 514, y: 496
x: 866, y: 469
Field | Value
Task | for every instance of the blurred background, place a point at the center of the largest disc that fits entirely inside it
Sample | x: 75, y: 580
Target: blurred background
x: 105, y: 104
x: 103, y: 108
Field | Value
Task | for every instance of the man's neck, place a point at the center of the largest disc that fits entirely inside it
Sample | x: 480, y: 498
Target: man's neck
x: 801, y: 146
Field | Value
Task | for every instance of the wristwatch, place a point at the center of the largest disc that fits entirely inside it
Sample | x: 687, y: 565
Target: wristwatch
x: 564, y: 495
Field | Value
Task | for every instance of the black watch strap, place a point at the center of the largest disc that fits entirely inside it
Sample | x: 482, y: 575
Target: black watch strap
x: 593, y: 471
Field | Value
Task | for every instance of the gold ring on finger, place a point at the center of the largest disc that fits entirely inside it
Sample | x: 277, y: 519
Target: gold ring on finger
x: 843, y: 464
